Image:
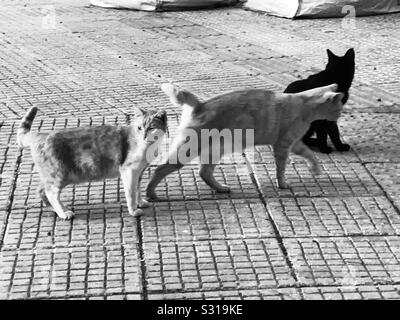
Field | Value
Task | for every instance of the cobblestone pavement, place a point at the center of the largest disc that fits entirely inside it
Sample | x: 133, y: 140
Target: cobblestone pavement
x: 331, y: 237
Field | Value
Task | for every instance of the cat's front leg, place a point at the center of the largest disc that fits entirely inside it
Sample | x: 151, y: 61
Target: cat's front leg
x: 335, y: 137
x: 130, y: 179
x: 322, y: 137
x: 281, y: 154
x: 142, y: 203
x: 53, y: 196
x: 301, y: 149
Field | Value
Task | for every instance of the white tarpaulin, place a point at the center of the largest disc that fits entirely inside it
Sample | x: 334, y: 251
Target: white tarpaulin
x: 323, y: 8
x: 159, y: 5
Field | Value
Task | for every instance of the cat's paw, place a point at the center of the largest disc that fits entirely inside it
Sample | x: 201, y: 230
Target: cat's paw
x: 137, y: 213
x: 67, y: 215
x: 283, y: 185
x: 143, y: 204
x: 151, y: 196
x: 223, y: 189
x: 316, y: 170
x: 325, y: 149
x: 343, y: 147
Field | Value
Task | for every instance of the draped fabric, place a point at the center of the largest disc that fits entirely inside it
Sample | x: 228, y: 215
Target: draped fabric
x: 159, y: 5
x: 323, y: 8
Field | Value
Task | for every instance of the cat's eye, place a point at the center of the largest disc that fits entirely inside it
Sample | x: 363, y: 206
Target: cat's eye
x: 140, y: 128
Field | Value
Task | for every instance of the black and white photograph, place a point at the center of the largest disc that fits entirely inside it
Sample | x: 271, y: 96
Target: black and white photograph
x: 208, y: 150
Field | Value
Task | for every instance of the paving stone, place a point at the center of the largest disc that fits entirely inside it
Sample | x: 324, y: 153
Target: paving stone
x: 351, y: 261
x: 388, y: 176
x: 334, y: 216
x: 261, y: 294
x: 213, y: 70
x: 337, y: 180
x: 145, y: 21
x: 171, y: 58
x: 54, y: 272
x: 186, y: 184
x: 220, y: 258
x: 265, y: 154
x: 8, y: 158
x: 206, y: 220
x: 212, y: 87
x: 375, y: 292
x: 38, y: 227
x: 374, y: 138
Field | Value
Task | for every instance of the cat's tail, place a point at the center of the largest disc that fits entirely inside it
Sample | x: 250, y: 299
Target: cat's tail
x: 180, y: 97
x: 23, y: 132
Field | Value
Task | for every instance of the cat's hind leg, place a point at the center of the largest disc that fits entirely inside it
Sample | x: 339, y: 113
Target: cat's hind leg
x: 210, y: 156
x: 42, y: 195
x: 53, y: 195
x: 159, y: 174
x: 299, y: 148
x: 207, y: 174
x: 281, y: 154
x: 177, y: 158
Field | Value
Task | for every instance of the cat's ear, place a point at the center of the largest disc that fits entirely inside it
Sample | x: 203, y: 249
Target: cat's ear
x: 162, y: 115
x: 333, y: 87
x: 138, y: 112
x: 335, y: 97
x: 350, y: 53
x: 331, y: 55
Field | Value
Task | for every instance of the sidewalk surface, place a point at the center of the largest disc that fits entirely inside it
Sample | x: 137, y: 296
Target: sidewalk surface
x: 331, y: 237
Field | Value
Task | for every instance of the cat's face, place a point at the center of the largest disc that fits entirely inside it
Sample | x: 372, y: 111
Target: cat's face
x: 341, y: 66
x: 325, y: 102
x: 150, y: 125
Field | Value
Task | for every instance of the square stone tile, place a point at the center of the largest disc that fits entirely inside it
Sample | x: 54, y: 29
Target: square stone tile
x: 312, y: 217
x: 264, y: 154
x: 101, y: 224
x: 350, y: 262
x: 336, y: 180
x: 8, y: 159
x: 262, y: 294
x: 206, y: 220
x: 215, y: 265
x: 186, y: 184
x: 374, y: 137
x: 388, y: 176
x: 362, y: 292
x: 63, y: 272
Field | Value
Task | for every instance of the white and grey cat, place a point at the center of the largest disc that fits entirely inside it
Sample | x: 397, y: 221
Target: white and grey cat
x: 278, y: 119
x: 85, y: 154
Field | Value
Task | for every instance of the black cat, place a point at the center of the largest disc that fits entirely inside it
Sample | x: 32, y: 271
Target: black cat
x: 339, y: 70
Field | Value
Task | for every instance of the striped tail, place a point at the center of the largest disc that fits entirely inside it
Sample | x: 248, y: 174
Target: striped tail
x: 180, y: 97
x: 23, y: 133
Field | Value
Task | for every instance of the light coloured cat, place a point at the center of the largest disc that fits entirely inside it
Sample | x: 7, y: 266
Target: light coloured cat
x: 91, y: 153
x: 278, y: 119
